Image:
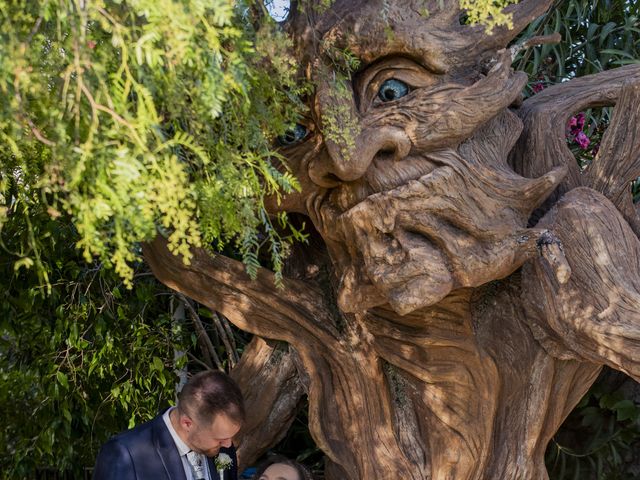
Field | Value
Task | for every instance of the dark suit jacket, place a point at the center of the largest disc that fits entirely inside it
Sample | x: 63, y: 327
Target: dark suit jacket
x: 148, y: 452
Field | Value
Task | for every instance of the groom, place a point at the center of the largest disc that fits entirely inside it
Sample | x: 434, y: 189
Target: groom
x: 180, y: 443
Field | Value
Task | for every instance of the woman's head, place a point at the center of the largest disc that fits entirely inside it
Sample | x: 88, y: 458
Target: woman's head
x: 281, y: 468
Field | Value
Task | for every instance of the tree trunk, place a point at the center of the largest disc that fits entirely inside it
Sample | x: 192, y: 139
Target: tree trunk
x: 272, y: 391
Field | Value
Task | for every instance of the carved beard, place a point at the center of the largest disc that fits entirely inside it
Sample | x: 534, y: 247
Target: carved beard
x: 462, y: 224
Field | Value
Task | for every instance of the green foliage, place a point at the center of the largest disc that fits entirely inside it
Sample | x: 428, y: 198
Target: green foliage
x: 119, y: 119
x: 80, y: 361
x: 340, y: 125
x: 598, y: 439
x: 138, y: 115
x: 488, y: 13
x: 596, y: 36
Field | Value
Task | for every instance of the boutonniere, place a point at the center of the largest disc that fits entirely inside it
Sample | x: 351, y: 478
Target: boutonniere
x: 223, y: 462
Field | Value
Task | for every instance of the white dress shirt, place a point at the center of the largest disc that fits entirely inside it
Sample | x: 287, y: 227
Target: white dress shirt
x: 183, y: 449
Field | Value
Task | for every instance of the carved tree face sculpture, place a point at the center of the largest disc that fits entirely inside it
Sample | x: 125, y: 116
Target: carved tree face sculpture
x: 408, y: 183
x: 405, y: 174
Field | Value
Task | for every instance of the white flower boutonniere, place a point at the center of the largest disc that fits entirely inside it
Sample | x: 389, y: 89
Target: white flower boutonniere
x: 223, y: 462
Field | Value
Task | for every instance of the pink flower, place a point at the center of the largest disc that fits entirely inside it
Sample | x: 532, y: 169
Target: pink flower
x: 582, y: 140
x: 91, y: 44
x: 576, y: 124
x: 538, y: 87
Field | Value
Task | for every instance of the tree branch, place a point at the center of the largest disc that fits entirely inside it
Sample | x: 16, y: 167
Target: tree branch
x: 272, y: 407
x: 255, y: 306
x: 203, y: 337
x: 594, y: 316
x: 617, y: 163
x: 543, y: 146
x: 222, y: 333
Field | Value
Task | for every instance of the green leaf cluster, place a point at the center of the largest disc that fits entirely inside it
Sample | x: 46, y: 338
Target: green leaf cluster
x: 596, y: 36
x: 599, y: 438
x: 78, y: 362
x: 144, y: 115
x: 489, y: 13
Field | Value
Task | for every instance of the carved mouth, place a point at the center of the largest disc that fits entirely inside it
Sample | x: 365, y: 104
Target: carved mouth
x: 416, y: 242
x: 406, y: 266
x: 383, y: 176
x: 411, y: 231
x: 330, y: 209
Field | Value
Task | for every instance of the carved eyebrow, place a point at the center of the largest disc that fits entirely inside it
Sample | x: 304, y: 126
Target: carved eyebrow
x: 422, y: 60
x: 433, y: 60
x: 391, y: 63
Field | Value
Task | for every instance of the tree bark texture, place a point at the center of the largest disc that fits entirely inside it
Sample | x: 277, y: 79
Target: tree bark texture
x: 465, y: 281
x: 272, y: 390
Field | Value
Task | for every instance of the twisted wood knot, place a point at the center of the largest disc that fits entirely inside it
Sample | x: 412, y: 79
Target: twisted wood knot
x: 552, y: 252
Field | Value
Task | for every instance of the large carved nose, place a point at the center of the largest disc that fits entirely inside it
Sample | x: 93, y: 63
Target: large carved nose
x: 346, y: 163
x: 350, y: 144
x: 339, y: 163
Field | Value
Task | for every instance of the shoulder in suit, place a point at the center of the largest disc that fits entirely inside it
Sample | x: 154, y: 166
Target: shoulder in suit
x: 146, y: 452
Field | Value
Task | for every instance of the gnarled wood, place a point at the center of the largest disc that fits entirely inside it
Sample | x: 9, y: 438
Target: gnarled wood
x: 272, y: 391
x: 604, y: 255
x: 543, y: 144
x: 347, y: 405
x: 617, y: 163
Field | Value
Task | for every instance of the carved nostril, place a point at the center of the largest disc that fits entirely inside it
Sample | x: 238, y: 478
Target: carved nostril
x: 387, y: 150
x: 320, y: 172
x: 331, y: 167
x: 328, y: 180
x: 331, y: 178
x: 396, y: 145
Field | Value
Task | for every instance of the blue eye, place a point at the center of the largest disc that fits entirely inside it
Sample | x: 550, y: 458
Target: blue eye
x: 293, y: 136
x: 392, y: 89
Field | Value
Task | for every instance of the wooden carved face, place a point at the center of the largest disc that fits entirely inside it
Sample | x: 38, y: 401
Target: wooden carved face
x: 404, y: 168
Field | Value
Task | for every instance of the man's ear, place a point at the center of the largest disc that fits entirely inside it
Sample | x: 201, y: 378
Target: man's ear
x: 186, y: 422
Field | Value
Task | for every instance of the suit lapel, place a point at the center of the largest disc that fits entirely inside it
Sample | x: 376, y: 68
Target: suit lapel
x: 167, y: 451
x: 212, y: 469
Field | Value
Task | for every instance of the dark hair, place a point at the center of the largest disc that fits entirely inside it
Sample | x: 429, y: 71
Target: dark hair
x: 211, y: 393
x: 303, y: 472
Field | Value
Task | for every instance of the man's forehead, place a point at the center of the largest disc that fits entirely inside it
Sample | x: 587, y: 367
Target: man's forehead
x: 223, y: 426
